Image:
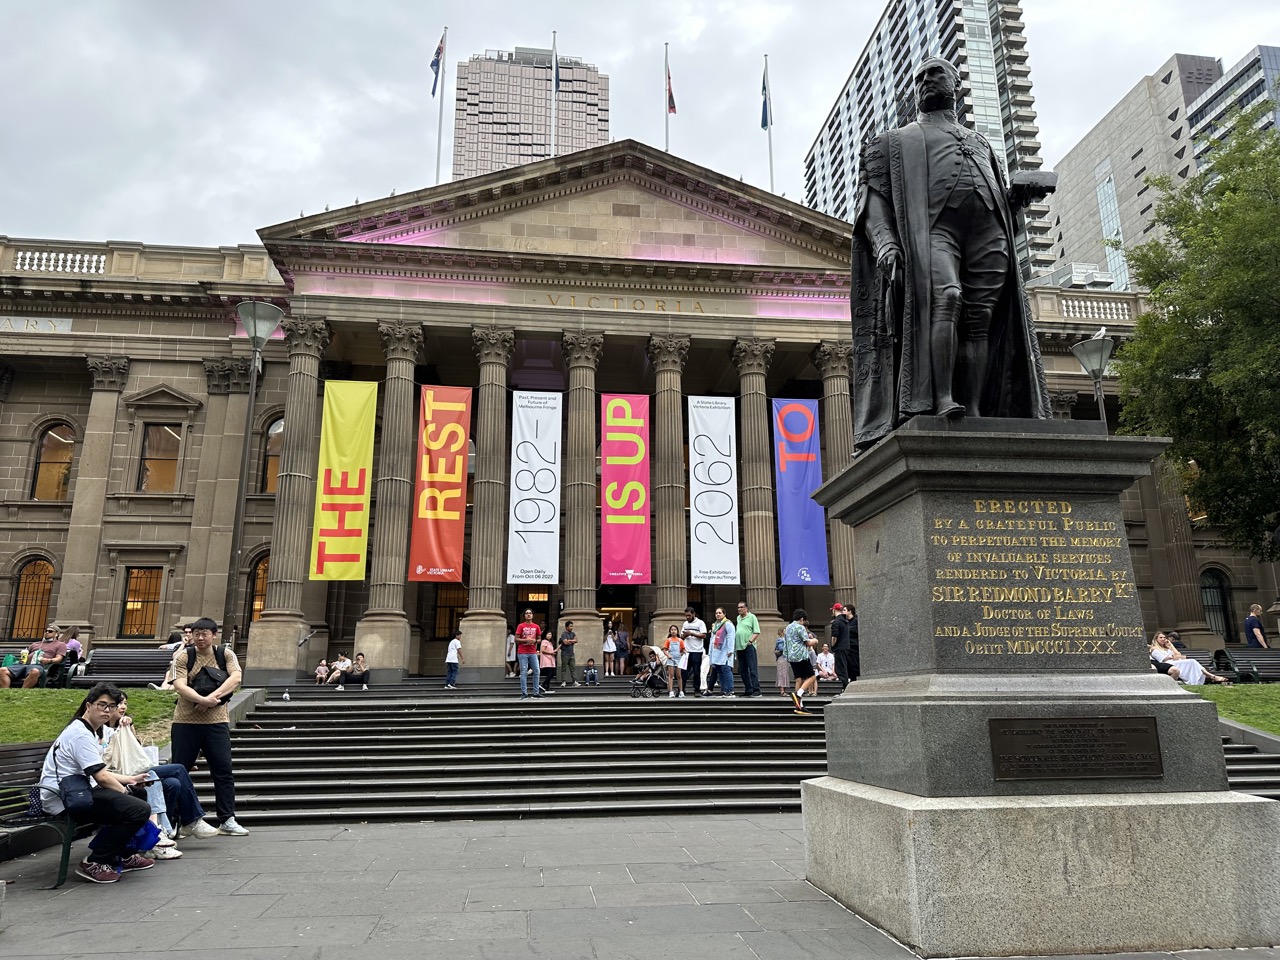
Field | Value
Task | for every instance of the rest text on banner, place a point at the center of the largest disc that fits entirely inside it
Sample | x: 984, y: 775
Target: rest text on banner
x: 440, y: 494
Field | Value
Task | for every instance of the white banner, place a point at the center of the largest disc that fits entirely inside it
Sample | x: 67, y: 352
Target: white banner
x: 713, y: 491
x: 533, y: 537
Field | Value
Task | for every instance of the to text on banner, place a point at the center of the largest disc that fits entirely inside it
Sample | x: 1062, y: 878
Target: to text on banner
x: 802, y: 526
x: 440, y: 494
x: 624, y: 489
x: 340, y: 527
x: 713, y: 491
x: 533, y: 531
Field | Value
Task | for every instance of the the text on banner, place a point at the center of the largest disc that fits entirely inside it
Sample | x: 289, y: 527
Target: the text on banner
x: 624, y: 489
x: 802, y: 527
x: 713, y: 491
x: 533, y: 532
x: 440, y: 495
x: 340, y: 527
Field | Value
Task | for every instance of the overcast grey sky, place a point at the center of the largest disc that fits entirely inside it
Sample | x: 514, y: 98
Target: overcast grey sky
x: 195, y: 123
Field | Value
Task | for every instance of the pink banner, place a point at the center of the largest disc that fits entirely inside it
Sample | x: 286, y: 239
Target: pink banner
x: 624, y: 489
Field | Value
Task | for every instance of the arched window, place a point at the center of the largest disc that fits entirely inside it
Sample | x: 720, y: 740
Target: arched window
x: 31, y: 601
x: 273, y: 444
x: 52, y: 476
x: 258, y: 588
x: 1215, y: 594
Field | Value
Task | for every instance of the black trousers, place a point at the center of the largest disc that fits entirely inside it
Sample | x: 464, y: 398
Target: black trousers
x: 121, y: 814
x: 214, y: 740
x: 847, y: 665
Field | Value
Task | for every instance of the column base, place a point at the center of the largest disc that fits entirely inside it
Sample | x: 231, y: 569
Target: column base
x: 1037, y: 876
x: 484, y: 640
x: 276, y: 649
x: 383, y: 637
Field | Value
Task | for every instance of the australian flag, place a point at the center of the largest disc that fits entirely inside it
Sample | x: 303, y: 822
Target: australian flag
x: 435, y: 65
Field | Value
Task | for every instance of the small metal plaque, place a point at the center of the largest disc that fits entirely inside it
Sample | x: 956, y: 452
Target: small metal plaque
x: 1075, y: 748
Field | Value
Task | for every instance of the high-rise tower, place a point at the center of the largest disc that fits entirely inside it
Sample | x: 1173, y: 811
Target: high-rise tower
x: 984, y: 39
x: 503, y: 114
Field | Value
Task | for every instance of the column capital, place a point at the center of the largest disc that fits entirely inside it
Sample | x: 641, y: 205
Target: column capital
x: 752, y: 355
x: 401, y: 340
x: 493, y: 344
x: 668, y: 352
x: 109, y: 373
x: 1061, y: 403
x: 583, y: 349
x: 833, y: 358
x: 224, y: 375
x: 306, y: 334
x: 7, y: 373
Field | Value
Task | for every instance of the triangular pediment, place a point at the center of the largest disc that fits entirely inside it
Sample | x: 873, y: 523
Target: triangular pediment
x: 622, y: 201
x: 162, y: 395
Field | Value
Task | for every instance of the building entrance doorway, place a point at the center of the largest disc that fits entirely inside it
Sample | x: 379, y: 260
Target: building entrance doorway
x: 537, y: 599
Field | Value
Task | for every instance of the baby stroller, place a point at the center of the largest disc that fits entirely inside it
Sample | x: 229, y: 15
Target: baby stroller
x: 650, y: 681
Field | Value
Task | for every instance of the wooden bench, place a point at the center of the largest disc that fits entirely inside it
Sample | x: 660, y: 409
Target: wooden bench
x: 1262, y: 664
x: 124, y: 667
x: 20, y: 766
x: 55, y: 676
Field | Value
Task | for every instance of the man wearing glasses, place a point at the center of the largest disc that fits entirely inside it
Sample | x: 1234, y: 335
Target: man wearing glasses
x: 41, y: 655
x: 200, y: 721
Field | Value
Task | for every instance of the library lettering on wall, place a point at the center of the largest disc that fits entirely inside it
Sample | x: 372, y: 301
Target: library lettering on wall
x: 600, y: 387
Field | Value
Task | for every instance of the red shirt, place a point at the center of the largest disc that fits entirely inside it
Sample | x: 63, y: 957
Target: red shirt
x: 527, y: 637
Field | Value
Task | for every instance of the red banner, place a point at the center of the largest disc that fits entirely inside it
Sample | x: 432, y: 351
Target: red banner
x: 440, y: 495
x: 624, y: 489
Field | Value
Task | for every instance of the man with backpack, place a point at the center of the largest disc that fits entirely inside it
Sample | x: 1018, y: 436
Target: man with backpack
x: 205, y: 676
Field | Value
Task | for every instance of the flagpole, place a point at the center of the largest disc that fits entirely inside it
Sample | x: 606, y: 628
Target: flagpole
x: 666, y: 95
x: 768, y: 101
x: 440, y: 119
x: 555, y: 68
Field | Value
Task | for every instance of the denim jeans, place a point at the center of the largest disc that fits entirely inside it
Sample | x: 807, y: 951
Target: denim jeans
x: 214, y: 740
x: 527, y: 662
x: 726, y: 677
x: 450, y: 674
x: 181, y: 803
x: 750, y: 670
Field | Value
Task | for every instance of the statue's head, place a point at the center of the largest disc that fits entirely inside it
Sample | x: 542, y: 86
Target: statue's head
x: 937, y: 84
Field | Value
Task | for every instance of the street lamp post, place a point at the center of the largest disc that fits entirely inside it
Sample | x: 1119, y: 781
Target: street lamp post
x: 260, y: 321
x: 1093, y: 355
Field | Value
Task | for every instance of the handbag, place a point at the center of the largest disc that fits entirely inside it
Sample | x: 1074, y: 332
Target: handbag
x: 75, y: 790
x: 124, y: 754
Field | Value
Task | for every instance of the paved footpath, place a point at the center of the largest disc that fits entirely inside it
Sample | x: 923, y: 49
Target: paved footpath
x: 713, y: 887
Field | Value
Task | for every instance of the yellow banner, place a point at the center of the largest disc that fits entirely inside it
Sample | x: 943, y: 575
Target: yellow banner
x: 344, y: 478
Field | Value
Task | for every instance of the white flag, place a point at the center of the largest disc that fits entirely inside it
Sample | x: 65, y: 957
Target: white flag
x: 713, y: 491
x: 533, y: 533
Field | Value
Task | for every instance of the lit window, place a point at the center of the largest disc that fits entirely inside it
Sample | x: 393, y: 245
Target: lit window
x: 258, y: 583
x: 161, y: 445
x: 271, y: 455
x: 140, y: 611
x: 31, y: 601
x: 52, y: 475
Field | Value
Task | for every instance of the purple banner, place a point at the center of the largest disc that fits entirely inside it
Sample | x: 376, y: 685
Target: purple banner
x: 797, y: 463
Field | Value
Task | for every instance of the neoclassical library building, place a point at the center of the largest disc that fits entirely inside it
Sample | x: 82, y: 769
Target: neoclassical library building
x: 618, y: 271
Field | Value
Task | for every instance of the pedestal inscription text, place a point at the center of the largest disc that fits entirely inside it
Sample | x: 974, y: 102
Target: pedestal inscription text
x: 1075, y: 748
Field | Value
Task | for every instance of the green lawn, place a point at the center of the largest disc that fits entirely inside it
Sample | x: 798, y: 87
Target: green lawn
x: 27, y: 716
x: 1253, y: 704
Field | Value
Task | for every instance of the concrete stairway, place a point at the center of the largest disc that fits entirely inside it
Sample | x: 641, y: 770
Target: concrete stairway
x: 415, y: 751
x: 1249, y: 770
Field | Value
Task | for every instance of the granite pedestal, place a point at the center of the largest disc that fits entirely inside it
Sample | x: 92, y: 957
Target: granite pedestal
x: 1009, y: 776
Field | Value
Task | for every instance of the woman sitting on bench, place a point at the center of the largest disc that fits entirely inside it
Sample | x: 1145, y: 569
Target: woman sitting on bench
x: 1169, y: 659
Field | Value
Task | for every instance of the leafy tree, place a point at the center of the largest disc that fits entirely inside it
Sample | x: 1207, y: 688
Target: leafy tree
x: 1203, y: 366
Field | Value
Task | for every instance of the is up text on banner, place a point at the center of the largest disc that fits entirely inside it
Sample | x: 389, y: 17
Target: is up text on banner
x: 713, y: 491
x: 533, y: 528
x: 625, y: 489
x: 344, y: 478
x: 797, y: 463
x: 440, y: 494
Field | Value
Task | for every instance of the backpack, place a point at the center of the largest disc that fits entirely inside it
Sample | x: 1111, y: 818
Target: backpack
x: 778, y: 646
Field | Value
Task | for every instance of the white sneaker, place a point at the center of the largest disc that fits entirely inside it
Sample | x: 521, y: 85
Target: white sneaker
x: 230, y: 828
x: 165, y: 841
x: 198, y: 829
x: 680, y: 696
x: 341, y: 687
x: 163, y: 853
x: 671, y: 694
x: 364, y: 686
x: 576, y: 683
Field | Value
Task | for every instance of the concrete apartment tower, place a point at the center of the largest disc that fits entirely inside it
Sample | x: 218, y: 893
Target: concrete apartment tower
x: 503, y: 114
x: 1102, y: 190
x: 1253, y: 78
x: 984, y: 39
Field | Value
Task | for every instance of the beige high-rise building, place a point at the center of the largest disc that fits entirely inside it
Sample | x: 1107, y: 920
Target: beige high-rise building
x: 503, y: 114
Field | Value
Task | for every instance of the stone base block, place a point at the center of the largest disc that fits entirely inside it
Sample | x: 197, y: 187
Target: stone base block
x: 277, y: 646
x: 384, y: 641
x: 1048, y: 875
x: 484, y: 642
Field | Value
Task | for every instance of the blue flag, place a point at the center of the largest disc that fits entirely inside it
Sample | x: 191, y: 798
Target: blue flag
x: 766, y: 111
x: 436, y: 61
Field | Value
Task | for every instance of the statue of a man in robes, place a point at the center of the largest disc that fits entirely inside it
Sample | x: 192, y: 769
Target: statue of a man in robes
x: 940, y: 321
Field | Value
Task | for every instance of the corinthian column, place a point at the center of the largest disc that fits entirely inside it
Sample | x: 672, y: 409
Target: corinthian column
x: 1180, y: 557
x: 668, y: 354
x: 833, y: 359
x: 275, y: 637
x: 760, y: 548
x: 484, y: 625
x: 84, y: 533
x: 582, y: 353
x: 383, y: 632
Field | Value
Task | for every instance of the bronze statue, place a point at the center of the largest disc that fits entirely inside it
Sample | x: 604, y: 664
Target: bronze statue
x: 940, y: 321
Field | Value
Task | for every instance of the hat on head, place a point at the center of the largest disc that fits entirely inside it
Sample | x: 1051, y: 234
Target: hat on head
x: 837, y: 607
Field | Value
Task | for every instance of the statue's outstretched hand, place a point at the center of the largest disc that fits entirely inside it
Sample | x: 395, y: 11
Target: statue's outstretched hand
x: 889, y: 261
